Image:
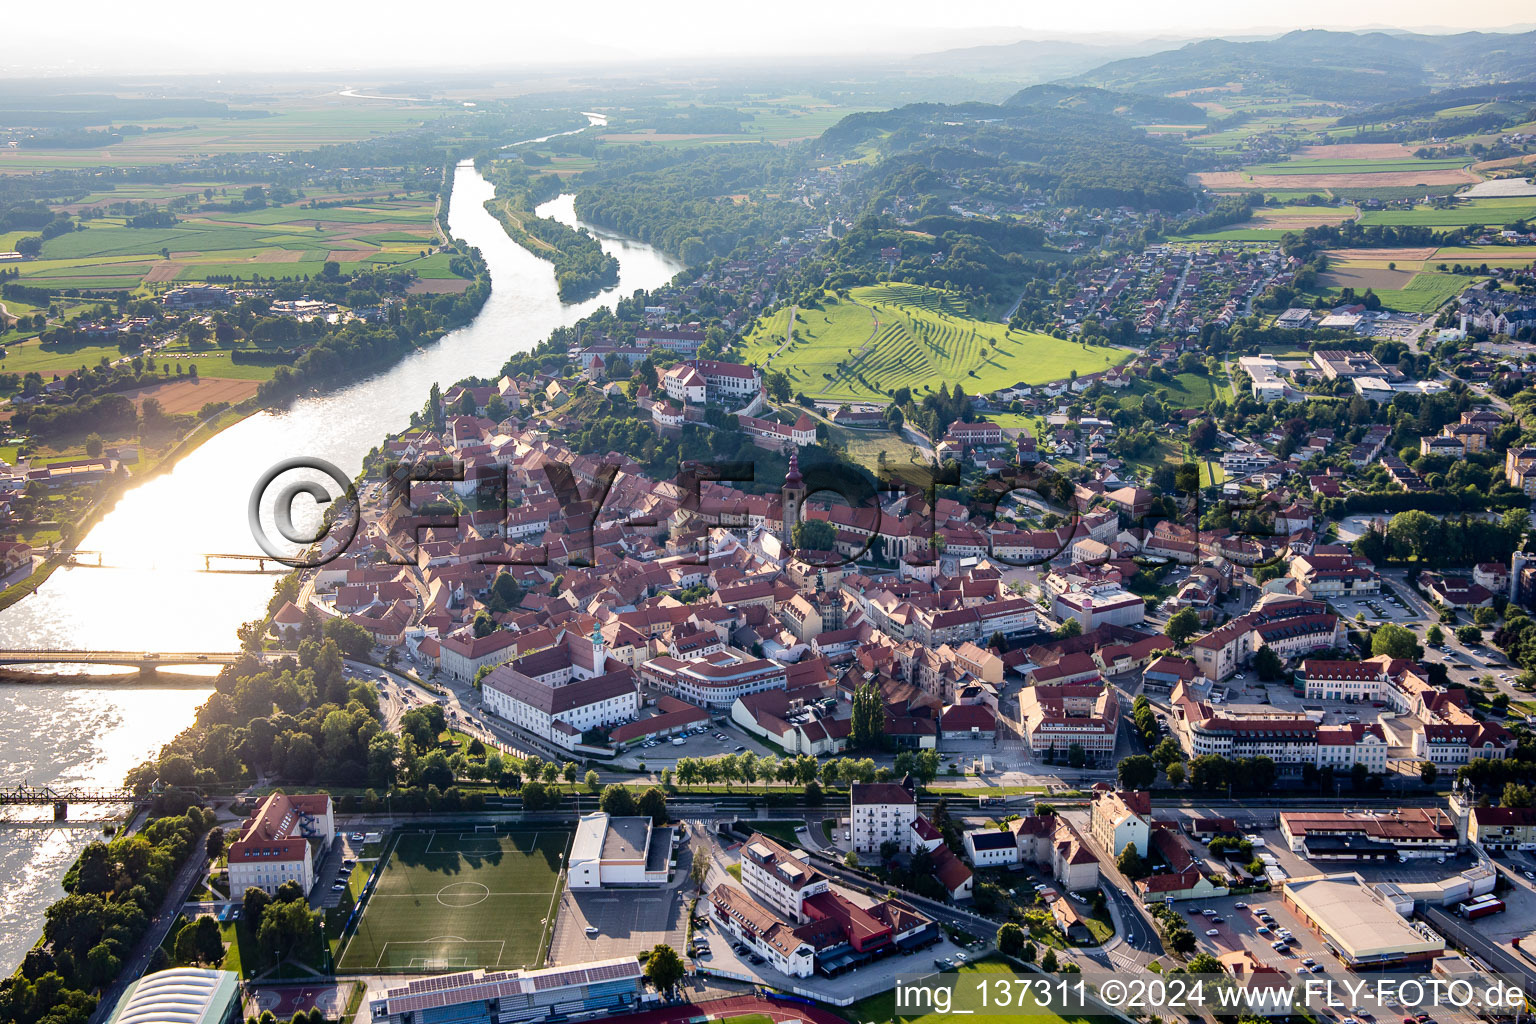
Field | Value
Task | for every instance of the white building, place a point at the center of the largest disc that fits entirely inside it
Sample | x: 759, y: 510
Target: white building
x: 280, y: 842
x: 610, y: 852
x: 881, y: 811
x: 1118, y: 818
x: 560, y: 713
x: 777, y: 878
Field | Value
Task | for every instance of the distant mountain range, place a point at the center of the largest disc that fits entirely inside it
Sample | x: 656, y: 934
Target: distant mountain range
x: 1346, y: 67
x: 1037, y: 60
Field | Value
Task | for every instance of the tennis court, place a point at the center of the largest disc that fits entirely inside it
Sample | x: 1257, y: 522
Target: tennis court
x: 451, y: 900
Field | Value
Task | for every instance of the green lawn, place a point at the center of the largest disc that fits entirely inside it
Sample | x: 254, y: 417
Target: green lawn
x: 452, y: 900
x: 892, y: 336
x: 1184, y: 391
x: 26, y: 356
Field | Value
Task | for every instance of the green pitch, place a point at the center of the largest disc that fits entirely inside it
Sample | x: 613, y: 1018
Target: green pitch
x: 460, y: 900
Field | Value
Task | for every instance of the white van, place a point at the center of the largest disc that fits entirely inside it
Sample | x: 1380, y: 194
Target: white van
x: 679, y: 741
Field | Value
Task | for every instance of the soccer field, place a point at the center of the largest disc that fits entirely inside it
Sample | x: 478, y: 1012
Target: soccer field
x: 460, y: 900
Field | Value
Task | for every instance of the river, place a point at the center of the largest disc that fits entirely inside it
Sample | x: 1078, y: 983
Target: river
x: 156, y: 599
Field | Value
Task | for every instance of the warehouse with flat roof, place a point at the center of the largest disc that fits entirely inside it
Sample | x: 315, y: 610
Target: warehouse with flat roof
x: 1358, y: 925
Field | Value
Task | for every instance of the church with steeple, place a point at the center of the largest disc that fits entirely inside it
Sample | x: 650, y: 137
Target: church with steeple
x: 791, y: 497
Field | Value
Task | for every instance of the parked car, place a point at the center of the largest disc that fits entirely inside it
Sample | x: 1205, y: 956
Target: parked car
x: 1212, y: 931
x: 592, y: 932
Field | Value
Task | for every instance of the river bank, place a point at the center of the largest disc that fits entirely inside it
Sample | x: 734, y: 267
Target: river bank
x: 77, y: 730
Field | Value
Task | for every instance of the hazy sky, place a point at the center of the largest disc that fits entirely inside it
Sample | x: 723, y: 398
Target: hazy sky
x: 289, y: 35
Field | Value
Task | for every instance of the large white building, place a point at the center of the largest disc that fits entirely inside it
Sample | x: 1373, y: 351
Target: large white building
x: 715, y: 680
x: 562, y: 713
x: 280, y: 842
x: 609, y: 851
x: 881, y: 812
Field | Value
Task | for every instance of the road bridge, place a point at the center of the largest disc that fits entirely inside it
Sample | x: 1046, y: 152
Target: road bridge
x: 145, y: 661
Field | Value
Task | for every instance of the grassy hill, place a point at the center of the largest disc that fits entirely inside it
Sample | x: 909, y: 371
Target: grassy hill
x: 892, y: 336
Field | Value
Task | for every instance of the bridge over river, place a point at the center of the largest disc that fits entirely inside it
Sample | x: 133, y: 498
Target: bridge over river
x: 145, y: 661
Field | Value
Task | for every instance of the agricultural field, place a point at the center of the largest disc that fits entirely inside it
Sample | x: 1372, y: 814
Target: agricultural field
x: 1406, y: 287
x: 287, y: 126
x: 275, y: 242
x: 460, y: 900
x: 778, y: 120
x: 1270, y: 223
x: 1487, y: 212
x: 892, y: 336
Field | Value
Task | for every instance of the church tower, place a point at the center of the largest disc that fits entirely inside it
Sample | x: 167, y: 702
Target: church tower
x: 599, y: 652
x: 792, y: 497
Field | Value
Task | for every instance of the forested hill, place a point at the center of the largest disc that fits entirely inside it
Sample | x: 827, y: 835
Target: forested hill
x: 1070, y: 156
x: 1344, y: 67
x: 1088, y: 99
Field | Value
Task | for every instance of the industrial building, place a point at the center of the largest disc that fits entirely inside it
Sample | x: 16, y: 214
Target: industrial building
x: 1366, y: 928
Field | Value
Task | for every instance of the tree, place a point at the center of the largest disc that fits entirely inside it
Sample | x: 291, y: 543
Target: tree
x: 617, y: 801
x: 1131, y: 863
x: 1010, y: 939
x: 289, y: 929
x: 851, y: 859
x: 1077, y: 757
x: 1395, y: 642
x: 215, y: 845
x: 868, y: 727
x: 1175, y: 773
x: 1069, y: 628
x: 698, y: 871
x: 664, y: 968
x: 1182, y: 625
x: 252, y: 905
x: 1434, y: 636
x: 207, y: 940
x: 590, y: 779
x: 815, y: 535
x: 889, y: 849
x: 1137, y: 772
x: 1203, y: 963
x: 1515, y: 795
x: 93, y: 445
x: 653, y: 804
x: 1268, y: 664
x: 1049, y: 963
x: 1428, y: 773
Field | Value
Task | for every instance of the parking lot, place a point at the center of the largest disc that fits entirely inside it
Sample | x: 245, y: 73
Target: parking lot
x: 1239, y: 929
x: 626, y: 921
x: 664, y: 753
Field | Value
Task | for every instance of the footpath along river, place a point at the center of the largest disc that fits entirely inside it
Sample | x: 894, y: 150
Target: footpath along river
x: 70, y: 734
